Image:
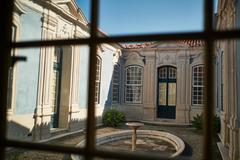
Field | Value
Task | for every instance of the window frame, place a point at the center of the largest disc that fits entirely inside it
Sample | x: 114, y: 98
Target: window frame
x: 208, y: 35
x: 221, y: 79
x: 133, y: 85
x: 197, y: 85
x: 98, y: 81
x: 117, y: 65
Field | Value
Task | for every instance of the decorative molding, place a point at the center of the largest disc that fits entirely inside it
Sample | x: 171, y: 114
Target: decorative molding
x: 18, y: 7
x: 134, y: 58
x: 166, y: 58
x: 48, y: 21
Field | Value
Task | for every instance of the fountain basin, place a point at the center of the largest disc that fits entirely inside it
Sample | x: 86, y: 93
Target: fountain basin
x: 175, y: 141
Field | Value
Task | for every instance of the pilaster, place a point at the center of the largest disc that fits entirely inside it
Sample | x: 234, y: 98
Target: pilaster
x: 42, y: 113
x: 182, y: 110
x: 149, y: 89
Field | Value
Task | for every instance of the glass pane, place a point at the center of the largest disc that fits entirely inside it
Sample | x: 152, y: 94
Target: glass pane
x: 61, y: 20
x: 171, y: 94
x: 47, y: 95
x: 155, y: 16
x: 162, y: 93
x: 24, y: 154
x: 172, y: 73
x: 226, y: 15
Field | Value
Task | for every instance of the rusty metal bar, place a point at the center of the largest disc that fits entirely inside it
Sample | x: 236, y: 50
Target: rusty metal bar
x: 44, y: 147
x: 217, y: 35
x: 6, y: 8
x: 91, y: 122
x: 82, y: 151
x: 209, y: 94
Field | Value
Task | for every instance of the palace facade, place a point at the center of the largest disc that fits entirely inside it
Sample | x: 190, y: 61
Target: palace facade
x: 228, y: 80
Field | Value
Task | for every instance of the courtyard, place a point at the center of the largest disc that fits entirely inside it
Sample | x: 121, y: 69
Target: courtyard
x: 192, y: 138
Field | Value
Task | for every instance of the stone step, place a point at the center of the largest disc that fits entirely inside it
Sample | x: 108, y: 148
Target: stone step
x: 166, y: 123
x: 58, y: 131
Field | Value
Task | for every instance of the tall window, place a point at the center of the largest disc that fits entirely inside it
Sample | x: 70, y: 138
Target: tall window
x: 115, y: 84
x: 198, y: 85
x: 221, y: 72
x: 133, y: 84
x: 98, y: 79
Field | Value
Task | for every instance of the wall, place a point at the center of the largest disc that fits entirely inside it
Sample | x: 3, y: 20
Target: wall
x: 84, y: 69
x: 106, y: 78
x: 27, y: 72
x: 164, y: 54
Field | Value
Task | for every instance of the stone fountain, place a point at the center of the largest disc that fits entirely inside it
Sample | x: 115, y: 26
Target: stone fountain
x: 134, y: 126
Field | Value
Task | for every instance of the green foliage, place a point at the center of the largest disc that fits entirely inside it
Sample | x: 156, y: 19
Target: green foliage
x: 217, y: 123
x: 198, y: 122
x: 113, y: 118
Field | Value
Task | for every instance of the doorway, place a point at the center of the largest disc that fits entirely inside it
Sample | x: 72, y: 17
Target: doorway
x: 56, y: 86
x: 166, y: 93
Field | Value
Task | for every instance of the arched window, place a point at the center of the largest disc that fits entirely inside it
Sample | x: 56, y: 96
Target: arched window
x: 115, y: 84
x: 98, y: 80
x: 133, y: 84
x: 198, y: 85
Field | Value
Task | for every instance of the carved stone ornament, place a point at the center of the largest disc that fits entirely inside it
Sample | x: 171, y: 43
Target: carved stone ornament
x: 64, y: 32
x: 166, y: 59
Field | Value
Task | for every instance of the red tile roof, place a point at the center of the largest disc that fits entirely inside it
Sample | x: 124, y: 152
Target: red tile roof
x: 193, y: 43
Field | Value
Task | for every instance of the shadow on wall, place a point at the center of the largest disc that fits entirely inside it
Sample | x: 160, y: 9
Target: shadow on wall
x: 18, y: 131
x: 117, y: 72
x: 43, y: 131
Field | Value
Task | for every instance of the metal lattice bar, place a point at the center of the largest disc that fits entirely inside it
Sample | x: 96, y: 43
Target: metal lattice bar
x: 6, y: 8
x: 208, y: 27
x: 216, y: 35
x: 90, y: 138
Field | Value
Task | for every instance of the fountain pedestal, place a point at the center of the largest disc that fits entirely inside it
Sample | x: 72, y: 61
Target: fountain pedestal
x: 134, y: 126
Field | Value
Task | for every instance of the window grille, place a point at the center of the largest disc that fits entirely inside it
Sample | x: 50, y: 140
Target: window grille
x: 115, y: 84
x: 208, y: 35
x: 133, y: 84
x: 198, y: 85
x: 221, y: 80
x: 98, y: 80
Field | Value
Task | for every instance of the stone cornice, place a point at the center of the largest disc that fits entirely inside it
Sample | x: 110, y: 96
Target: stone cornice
x: 19, y: 8
x: 58, y: 10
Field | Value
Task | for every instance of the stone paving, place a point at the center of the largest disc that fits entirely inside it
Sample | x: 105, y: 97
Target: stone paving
x: 193, y: 141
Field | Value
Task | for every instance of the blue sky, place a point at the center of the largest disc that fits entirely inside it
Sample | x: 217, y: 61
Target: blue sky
x: 147, y: 16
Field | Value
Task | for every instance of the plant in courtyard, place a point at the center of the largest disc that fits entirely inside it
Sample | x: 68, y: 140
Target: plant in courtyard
x: 113, y: 118
x: 198, y: 122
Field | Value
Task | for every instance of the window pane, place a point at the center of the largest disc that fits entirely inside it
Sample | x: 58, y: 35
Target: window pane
x: 171, y: 94
x: 162, y: 94
x: 49, y: 20
x: 23, y: 154
x: 155, y: 16
x: 227, y: 14
x: 115, y: 84
x: 133, y: 88
x: 48, y: 94
x: 98, y: 80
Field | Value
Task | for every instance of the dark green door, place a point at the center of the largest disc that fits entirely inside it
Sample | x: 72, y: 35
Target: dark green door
x: 166, y: 94
x: 56, y: 86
